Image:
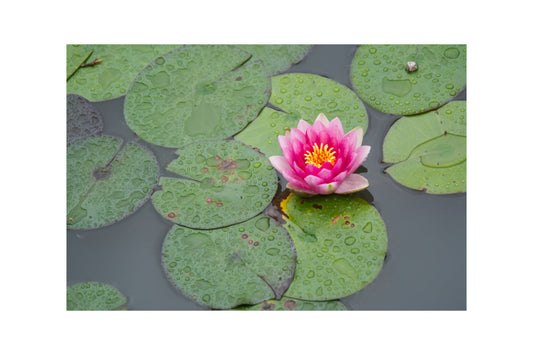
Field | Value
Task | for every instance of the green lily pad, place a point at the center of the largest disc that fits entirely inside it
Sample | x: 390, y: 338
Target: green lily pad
x: 341, y: 242
x: 227, y: 182
x: 380, y: 77
x: 107, y: 181
x: 277, y: 58
x: 83, y: 119
x: 241, y: 264
x: 302, y: 96
x: 429, y: 150
x: 94, y: 296
x: 196, y: 93
x: 110, y: 78
x: 288, y: 304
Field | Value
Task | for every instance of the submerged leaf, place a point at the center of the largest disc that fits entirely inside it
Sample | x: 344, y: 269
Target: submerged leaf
x: 83, y: 119
x: 94, y: 296
x: 107, y: 182
x: 288, y: 304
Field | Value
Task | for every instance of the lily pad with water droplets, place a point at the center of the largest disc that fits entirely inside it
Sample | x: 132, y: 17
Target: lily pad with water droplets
x: 341, y: 242
x: 83, y: 119
x: 196, y: 93
x: 277, y: 58
x: 107, y: 181
x: 380, y: 77
x: 94, y: 296
x: 222, y: 268
x: 288, y: 304
x: 302, y: 96
x: 111, y: 77
x: 227, y: 183
x: 429, y: 150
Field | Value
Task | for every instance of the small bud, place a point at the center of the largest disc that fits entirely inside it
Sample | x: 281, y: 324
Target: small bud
x: 411, y: 67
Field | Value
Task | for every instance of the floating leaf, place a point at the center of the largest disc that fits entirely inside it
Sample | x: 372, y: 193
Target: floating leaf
x: 196, y: 93
x: 277, y: 58
x: 380, y: 77
x: 107, y: 182
x: 288, y: 304
x: 429, y: 150
x: 341, y: 242
x: 83, y: 119
x: 111, y: 77
x: 94, y: 296
x: 302, y: 96
x: 230, y: 183
x: 223, y: 268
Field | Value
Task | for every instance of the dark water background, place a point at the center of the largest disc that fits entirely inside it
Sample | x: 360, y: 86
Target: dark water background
x: 425, y: 267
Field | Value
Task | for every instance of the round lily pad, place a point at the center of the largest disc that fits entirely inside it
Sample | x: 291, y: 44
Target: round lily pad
x: 227, y: 182
x: 107, y: 181
x: 381, y: 77
x: 341, y: 242
x: 94, y: 296
x: 277, y: 58
x: 223, y: 268
x: 288, y: 304
x: 429, y: 150
x: 111, y: 77
x: 83, y: 119
x: 196, y: 93
x: 302, y: 96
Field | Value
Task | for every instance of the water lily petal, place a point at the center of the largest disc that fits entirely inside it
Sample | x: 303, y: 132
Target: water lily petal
x: 296, y: 136
x: 279, y: 163
x: 352, y: 183
x: 328, y: 188
x: 312, y: 180
x: 347, y: 146
x: 361, y: 155
x: 335, y: 131
x: 303, y: 126
x: 288, y: 152
x: 323, y: 119
x: 359, y: 133
x: 301, y: 191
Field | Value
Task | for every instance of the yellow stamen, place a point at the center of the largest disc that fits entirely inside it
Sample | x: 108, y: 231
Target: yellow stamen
x: 320, y: 155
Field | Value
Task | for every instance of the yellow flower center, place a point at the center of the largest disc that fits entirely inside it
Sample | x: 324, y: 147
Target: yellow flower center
x: 320, y: 155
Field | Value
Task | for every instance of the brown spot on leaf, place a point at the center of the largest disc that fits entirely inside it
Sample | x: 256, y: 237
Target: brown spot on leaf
x: 352, y: 225
x: 268, y: 306
x: 224, y: 179
x: 220, y: 204
x: 347, y: 223
x: 317, y: 206
x: 301, y: 202
x: 205, y: 170
x: 250, y: 242
x: 217, y: 158
x: 334, y: 219
x: 227, y: 164
x: 171, y: 215
x: 209, y: 201
x: 239, y: 78
x: 244, y: 236
x: 290, y: 304
x: 256, y: 244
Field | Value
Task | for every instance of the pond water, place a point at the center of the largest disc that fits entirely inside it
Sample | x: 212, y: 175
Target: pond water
x: 425, y: 266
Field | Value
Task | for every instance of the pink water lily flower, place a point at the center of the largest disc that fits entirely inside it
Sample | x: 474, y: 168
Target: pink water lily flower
x: 320, y: 159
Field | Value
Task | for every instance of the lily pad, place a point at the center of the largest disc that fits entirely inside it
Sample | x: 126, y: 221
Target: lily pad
x: 107, y: 181
x: 429, y: 150
x: 223, y: 268
x: 227, y: 182
x: 302, y: 96
x: 111, y: 77
x: 83, y: 119
x: 341, y: 242
x: 379, y: 75
x: 288, y: 304
x: 277, y: 58
x: 196, y: 93
x: 94, y: 296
